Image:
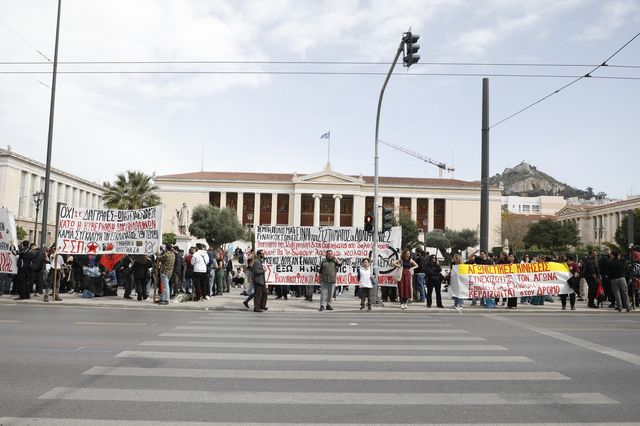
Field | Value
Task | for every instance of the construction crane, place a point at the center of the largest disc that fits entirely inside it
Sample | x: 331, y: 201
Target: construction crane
x: 440, y: 165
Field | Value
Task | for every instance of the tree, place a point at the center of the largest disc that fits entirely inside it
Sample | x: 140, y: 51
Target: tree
x: 514, y: 228
x: 21, y: 233
x: 457, y: 241
x: 169, y: 238
x: 622, y: 233
x: 135, y: 190
x: 461, y: 240
x: 551, y: 235
x: 216, y: 226
x: 410, y: 232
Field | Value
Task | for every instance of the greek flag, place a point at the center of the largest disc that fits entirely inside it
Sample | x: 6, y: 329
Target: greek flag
x: 326, y: 135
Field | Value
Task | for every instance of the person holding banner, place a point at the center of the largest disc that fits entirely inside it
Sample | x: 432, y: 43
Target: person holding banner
x: 328, y: 271
x: 405, y: 289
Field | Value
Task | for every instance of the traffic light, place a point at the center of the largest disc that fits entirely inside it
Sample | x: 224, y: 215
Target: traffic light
x: 387, y: 219
x: 368, y: 223
x: 411, y: 48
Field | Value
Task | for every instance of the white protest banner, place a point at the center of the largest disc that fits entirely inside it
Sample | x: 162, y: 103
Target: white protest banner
x: 511, y: 280
x: 100, y: 231
x: 293, y: 253
x: 8, y: 243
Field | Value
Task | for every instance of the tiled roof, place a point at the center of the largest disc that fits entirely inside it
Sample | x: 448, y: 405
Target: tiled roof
x: 288, y: 177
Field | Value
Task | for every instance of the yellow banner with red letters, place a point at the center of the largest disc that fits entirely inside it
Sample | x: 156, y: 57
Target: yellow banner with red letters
x: 510, y: 280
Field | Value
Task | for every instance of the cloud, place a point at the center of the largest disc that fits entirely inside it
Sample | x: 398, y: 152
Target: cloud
x: 613, y: 15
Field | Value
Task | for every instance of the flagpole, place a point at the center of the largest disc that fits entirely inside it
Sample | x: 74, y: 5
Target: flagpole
x: 329, y: 149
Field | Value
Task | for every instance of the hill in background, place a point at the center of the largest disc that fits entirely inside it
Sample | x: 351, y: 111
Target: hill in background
x: 526, y: 180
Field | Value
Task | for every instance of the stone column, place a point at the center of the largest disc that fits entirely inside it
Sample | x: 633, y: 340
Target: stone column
x: 296, y: 211
x: 336, y: 209
x: 223, y: 200
x: 414, y: 211
x: 358, y: 211
x: 396, y: 207
x: 240, y: 206
x: 256, y: 208
x: 430, y: 221
x: 274, y: 209
x: 316, y: 209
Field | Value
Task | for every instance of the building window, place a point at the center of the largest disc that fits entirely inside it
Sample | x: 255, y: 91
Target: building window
x: 423, y: 213
x: 346, y: 210
x: 306, y: 210
x: 248, y: 207
x: 265, y: 209
x: 232, y: 200
x: 439, y: 213
x: 405, y: 206
x: 535, y: 209
x: 214, y: 199
x: 283, y: 209
x: 526, y: 208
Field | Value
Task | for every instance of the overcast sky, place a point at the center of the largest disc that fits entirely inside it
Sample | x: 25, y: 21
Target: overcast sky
x: 586, y: 135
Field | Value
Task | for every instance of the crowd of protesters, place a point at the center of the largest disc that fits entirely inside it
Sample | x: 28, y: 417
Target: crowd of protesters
x: 604, y: 280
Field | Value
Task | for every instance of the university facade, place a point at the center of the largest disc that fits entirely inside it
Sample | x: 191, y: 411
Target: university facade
x: 21, y: 178
x: 328, y: 198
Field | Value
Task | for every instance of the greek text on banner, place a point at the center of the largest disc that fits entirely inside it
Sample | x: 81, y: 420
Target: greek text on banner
x: 84, y: 231
x: 510, y: 280
x: 294, y: 253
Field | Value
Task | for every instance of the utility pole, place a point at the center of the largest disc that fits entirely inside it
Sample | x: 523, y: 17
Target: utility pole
x: 47, y: 178
x: 37, y: 200
x: 410, y: 57
x: 484, y: 176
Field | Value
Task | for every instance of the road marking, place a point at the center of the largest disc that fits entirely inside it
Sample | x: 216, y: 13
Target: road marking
x: 197, y: 373
x: 317, y: 320
x: 9, y: 321
x: 108, y: 323
x: 373, y: 331
x: 605, y: 350
x: 324, y: 398
x: 321, y: 357
x: 595, y: 329
x: 96, y: 422
x: 323, y: 337
x: 233, y: 324
x: 328, y: 346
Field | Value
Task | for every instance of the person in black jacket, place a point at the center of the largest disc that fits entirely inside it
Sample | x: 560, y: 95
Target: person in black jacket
x: 590, y: 274
x: 616, y: 269
x: 603, y: 269
x: 141, y: 266
x: 433, y: 276
x: 22, y: 278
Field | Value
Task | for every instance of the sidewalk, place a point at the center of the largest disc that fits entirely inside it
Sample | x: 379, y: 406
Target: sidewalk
x: 345, y: 303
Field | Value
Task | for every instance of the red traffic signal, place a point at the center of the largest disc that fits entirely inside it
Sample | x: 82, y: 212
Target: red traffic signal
x: 368, y: 223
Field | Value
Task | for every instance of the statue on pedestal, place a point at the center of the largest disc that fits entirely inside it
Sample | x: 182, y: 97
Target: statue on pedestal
x: 183, y: 219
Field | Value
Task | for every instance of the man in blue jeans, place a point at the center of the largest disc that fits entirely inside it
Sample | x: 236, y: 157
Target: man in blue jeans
x: 166, y: 261
x: 419, y: 274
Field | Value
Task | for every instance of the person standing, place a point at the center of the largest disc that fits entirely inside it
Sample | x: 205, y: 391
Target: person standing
x: 617, y: 269
x: 590, y: 274
x: 141, y: 266
x: 365, y: 283
x: 328, y: 271
x: 259, y: 283
x: 219, y: 268
x: 22, y: 278
x: 405, y: 289
x: 125, y: 272
x: 419, y: 274
x: 166, y: 262
x: 434, y: 278
x: 199, y: 260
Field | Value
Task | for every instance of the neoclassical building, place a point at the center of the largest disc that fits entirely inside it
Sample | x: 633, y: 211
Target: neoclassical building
x: 21, y: 178
x: 328, y: 198
x: 598, y: 223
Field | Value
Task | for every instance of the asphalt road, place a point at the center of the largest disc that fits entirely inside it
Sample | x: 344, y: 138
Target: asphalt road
x: 70, y: 365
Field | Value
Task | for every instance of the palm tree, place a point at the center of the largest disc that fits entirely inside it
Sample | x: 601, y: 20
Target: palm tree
x: 133, y: 191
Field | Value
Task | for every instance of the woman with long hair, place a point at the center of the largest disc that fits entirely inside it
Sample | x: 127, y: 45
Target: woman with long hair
x: 405, y: 289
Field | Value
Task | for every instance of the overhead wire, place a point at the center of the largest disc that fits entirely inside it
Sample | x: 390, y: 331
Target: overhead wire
x: 587, y: 75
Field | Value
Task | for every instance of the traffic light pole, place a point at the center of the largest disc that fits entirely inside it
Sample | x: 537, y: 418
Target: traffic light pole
x: 376, y: 207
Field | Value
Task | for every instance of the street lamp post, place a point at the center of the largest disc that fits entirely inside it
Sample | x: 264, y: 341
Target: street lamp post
x: 38, y: 197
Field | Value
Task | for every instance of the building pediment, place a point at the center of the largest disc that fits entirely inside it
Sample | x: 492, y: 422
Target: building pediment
x: 570, y: 210
x: 328, y: 176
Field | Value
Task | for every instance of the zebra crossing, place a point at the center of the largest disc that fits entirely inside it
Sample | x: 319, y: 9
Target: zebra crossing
x: 342, y: 368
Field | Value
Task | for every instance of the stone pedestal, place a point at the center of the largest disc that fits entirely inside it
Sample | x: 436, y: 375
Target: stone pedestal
x: 184, y: 242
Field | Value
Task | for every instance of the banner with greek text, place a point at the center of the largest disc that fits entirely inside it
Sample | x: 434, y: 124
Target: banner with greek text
x: 99, y: 231
x: 8, y: 243
x: 294, y: 253
x: 511, y: 280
